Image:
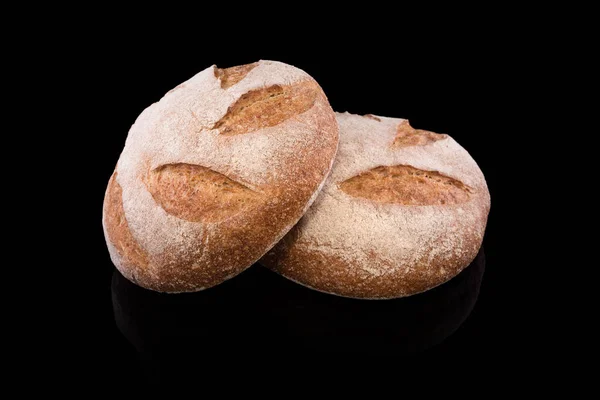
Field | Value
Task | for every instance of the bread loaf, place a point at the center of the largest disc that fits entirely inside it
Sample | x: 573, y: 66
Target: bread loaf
x: 403, y: 210
x: 215, y: 173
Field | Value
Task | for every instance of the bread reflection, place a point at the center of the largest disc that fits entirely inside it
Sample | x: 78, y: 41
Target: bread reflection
x: 261, y: 313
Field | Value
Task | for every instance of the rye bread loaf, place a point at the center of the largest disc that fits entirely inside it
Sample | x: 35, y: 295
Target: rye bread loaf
x: 403, y: 211
x: 215, y: 173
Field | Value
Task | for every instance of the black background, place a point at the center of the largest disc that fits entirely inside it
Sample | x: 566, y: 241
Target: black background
x: 449, y: 85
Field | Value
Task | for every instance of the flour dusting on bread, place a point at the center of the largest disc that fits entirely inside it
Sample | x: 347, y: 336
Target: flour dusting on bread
x: 283, y: 160
x: 358, y: 246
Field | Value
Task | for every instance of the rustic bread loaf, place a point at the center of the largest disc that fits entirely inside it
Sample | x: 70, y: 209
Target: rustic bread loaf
x: 403, y: 210
x: 215, y: 173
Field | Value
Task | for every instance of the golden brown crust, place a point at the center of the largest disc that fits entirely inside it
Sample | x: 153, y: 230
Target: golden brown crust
x: 132, y: 258
x: 403, y: 184
x: 336, y: 274
x: 267, y: 107
x: 231, y: 76
x: 204, y: 204
x: 387, y: 224
x: 406, y: 135
x: 197, y: 193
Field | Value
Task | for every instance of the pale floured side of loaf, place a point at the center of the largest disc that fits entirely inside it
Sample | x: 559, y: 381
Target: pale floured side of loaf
x: 218, y: 170
x: 403, y: 211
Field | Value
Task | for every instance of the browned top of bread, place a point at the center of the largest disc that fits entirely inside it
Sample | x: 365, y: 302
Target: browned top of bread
x: 231, y: 76
x: 403, y: 184
x: 216, y: 172
x: 402, y: 211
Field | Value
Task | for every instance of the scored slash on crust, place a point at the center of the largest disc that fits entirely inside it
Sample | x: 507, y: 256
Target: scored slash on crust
x: 406, y: 136
x: 195, y: 193
x: 231, y: 76
x: 266, y: 107
x: 406, y: 185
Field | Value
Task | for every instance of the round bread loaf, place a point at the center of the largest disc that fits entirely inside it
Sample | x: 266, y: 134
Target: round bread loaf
x: 403, y: 211
x: 215, y: 173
